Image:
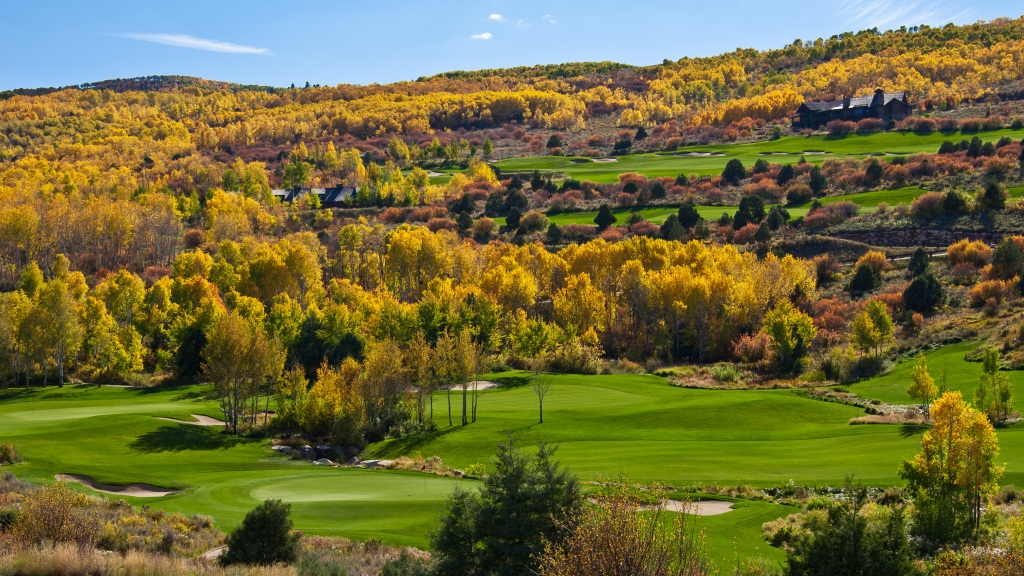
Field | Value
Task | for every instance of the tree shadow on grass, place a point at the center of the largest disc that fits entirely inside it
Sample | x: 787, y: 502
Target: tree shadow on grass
x: 176, y: 438
x: 510, y: 382
x: 910, y: 430
x: 407, y: 445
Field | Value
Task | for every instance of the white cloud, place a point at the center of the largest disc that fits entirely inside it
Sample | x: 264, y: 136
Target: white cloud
x: 186, y: 41
x: 497, y: 17
x: 522, y: 24
x: 484, y: 36
x: 550, y: 19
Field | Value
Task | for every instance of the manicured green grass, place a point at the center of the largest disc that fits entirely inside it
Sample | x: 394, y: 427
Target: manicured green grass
x: 961, y: 374
x: 736, y: 535
x: 667, y: 164
x: 604, y: 425
x: 113, y: 435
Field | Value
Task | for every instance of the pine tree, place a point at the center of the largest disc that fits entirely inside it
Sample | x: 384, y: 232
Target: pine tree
x: 604, y: 217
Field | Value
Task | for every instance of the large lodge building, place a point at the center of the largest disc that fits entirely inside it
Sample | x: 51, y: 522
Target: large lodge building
x: 883, y: 105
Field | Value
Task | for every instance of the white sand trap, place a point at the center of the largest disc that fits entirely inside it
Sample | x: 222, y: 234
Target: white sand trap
x: 480, y: 385
x: 698, y: 508
x: 214, y: 554
x: 606, y: 160
x: 135, y: 490
x: 816, y: 153
x: 200, y: 420
x: 774, y: 153
x: 434, y: 174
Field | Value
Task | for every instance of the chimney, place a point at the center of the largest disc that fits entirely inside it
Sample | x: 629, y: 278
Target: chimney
x: 846, y: 102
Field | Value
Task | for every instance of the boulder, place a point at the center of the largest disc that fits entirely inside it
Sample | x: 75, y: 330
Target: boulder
x: 370, y: 463
x: 352, y: 461
x: 306, y: 452
x: 324, y: 462
x: 286, y: 450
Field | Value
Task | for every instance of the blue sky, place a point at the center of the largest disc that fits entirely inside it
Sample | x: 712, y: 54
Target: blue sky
x: 49, y: 43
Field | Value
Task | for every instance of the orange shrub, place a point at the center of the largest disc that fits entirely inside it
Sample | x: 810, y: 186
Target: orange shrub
x: 875, y: 260
x: 973, y: 252
x: 996, y: 290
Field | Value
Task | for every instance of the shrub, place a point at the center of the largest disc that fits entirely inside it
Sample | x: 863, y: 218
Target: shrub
x: 483, y: 229
x: 875, y: 260
x: 265, y: 537
x: 435, y: 224
x: 982, y: 292
x: 55, y: 514
x: 841, y: 127
x: 826, y: 268
x: 799, y: 194
x: 578, y: 232
x: 973, y: 252
x: 830, y: 214
x: 751, y: 348
x: 8, y: 454
x: 645, y: 228
x: 869, y: 125
x: 533, y: 221
x: 929, y: 205
x: 865, y: 279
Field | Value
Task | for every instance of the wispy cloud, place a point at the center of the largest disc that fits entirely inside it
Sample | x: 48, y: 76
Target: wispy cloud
x: 483, y: 36
x: 550, y: 19
x: 496, y: 17
x: 882, y: 13
x: 186, y: 41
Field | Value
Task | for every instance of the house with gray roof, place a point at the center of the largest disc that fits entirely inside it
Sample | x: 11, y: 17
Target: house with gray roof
x: 882, y: 105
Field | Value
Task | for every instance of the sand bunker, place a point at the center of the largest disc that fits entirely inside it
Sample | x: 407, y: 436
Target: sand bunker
x: 701, y: 154
x: 200, y: 420
x: 606, y: 160
x: 774, y: 153
x: 816, y: 152
x: 134, y: 490
x: 698, y: 508
x: 434, y: 174
x: 480, y: 385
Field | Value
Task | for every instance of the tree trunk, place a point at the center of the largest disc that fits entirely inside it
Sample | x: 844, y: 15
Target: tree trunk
x: 449, y: 405
x: 541, y: 410
x: 465, y: 391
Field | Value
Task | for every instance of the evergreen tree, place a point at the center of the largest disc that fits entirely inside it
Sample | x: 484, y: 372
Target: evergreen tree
x: 502, y: 529
x: 513, y: 219
x: 953, y: 203
x: 924, y: 294
x: 465, y: 222
x: 734, y: 172
x: 682, y: 180
x: 265, y: 537
x: 849, y: 544
x: 1007, y: 260
x: 761, y: 166
x: 864, y: 280
x: 818, y: 182
x: 688, y: 215
x: 658, y: 191
x: 751, y: 210
x: 918, y: 262
x: 641, y: 133
x: 992, y: 197
x: 786, y: 173
x: 604, y: 217
x: 672, y: 229
x: 554, y: 235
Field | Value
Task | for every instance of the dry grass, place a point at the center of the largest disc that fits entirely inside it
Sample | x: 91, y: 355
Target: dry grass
x: 890, y: 418
x: 71, y: 560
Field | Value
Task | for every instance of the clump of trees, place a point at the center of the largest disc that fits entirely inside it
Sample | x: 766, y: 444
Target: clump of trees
x: 502, y: 529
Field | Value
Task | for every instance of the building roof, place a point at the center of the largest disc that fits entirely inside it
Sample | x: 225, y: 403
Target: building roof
x: 856, y: 102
